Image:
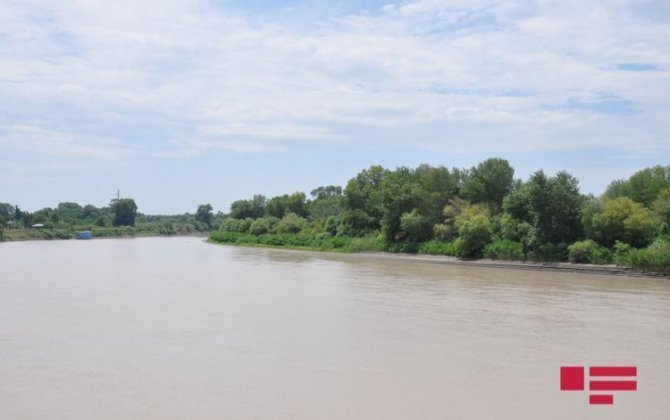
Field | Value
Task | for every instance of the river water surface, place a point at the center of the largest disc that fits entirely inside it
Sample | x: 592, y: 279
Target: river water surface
x: 175, y: 328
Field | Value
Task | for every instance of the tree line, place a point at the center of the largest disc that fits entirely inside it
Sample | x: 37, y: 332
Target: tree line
x: 121, y: 216
x: 483, y: 211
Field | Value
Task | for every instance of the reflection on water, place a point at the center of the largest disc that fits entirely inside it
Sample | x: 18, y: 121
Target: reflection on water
x: 176, y: 328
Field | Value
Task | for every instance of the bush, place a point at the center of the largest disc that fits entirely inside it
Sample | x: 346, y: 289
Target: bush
x: 291, y: 223
x: 415, y: 227
x: 263, y: 225
x: 236, y: 225
x: 504, y: 250
x: 436, y: 247
x: 319, y: 241
x: 474, y: 235
x: 332, y: 224
x: 549, y: 252
x: 654, y: 258
x: 588, y: 251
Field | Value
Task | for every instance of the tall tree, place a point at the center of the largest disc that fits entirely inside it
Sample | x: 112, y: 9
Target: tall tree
x: 254, y: 208
x: 204, y: 214
x: 489, y: 182
x: 643, y: 186
x: 125, y: 211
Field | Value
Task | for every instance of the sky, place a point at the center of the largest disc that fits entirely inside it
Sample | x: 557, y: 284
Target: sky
x: 181, y: 102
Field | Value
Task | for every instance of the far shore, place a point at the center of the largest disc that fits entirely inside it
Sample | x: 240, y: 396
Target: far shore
x: 26, y: 238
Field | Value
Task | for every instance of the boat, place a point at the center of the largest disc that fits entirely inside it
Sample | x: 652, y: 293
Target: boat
x: 84, y: 234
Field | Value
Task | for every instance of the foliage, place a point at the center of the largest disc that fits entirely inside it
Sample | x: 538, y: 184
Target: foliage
x: 204, y: 214
x: 489, y: 182
x: 281, y: 205
x: 243, y: 209
x: 303, y: 241
x: 290, y: 223
x: 661, y: 206
x: 588, y: 251
x: 263, y: 225
x: 548, y: 252
x: 654, y: 258
x: 125, y: 211
x: 474, y: 235
x: 621, y: 219
x: 364, y: 193
x: 504, y: 250
x: 466, y: 212
x: 322, y: 193
x: 232, y: 224
x: 643, y: 186
x: 415, y: 227
x: 356, y: 223
x: 437, y: 247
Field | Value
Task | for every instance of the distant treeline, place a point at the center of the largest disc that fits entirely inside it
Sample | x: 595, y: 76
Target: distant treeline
x: 478, y: 212
x: 120, y: 218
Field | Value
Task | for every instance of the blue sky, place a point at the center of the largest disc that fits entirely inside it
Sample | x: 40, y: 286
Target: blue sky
x: 182, y: 102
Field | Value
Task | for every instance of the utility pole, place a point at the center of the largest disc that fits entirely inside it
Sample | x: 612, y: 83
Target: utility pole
x: 118, y: 194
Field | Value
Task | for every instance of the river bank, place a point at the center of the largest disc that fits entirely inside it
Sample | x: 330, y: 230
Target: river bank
x: 14, y: 235
x: 604, y: 269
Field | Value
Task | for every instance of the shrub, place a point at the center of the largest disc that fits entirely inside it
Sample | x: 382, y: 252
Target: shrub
x: 263, y: 225
x: 235, y: 225
x: 474, y: 234
x: 436, y: 247
x: 549, y: 252
x: 588, y: 251
x: 415, y: 227
x: 332, y: 224
x: 290, y: 223
x: 504, y: 250
x: 654, y: 258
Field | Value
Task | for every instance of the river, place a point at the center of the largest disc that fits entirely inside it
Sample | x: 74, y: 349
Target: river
x: 176, y: 328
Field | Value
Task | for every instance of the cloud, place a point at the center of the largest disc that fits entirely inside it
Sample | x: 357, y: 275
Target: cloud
x: 39, y: 140
x: 184, y: 77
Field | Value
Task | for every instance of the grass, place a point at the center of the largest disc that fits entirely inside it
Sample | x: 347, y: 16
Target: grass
x: 303, y: 241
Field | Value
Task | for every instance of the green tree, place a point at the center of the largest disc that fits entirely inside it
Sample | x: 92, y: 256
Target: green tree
x: 90, y: 212
x: 415, y: 227
x: 326, y: 202
x: 254, y: 208
x: 555, y: 204
x: 325, y: 192
x: 70, y: 213
x: 6, y: 212
x: 125, y: 211
x: 204, y: 214
x: 661, y: 206
x: 363, y: 196
x: 402, y: 193
x: 643, y: 186
x: 281, y: 205
x: 474, y: 235
x: 489, y: 182
x: 290, y: 223
x: 621, y: 219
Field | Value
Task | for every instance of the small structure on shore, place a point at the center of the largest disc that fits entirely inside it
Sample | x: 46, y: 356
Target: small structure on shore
x: 84, y: 234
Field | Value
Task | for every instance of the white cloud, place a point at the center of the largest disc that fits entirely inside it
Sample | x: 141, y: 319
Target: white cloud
x: 239, y: 83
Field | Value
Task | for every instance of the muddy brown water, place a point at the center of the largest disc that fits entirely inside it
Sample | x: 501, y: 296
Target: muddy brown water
x: 175, y: 328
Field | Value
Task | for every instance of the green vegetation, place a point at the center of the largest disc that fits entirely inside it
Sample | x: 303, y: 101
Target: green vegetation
x: 305, y: 241
x: 119, y: 219
x: 478, y: 212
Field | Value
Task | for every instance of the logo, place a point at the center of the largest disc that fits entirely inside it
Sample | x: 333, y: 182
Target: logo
x: 603, y: 380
